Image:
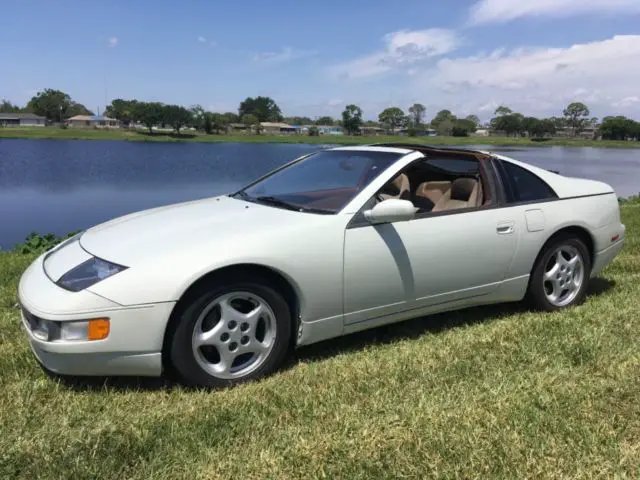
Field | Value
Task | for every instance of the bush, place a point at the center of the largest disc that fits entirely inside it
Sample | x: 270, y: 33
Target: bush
x: 314, y: 131
x: 37, y: 244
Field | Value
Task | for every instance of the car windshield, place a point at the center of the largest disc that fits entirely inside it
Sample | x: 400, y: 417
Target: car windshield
x: 323, y: 182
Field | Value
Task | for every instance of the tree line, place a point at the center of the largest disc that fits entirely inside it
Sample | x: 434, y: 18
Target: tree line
x: 58, y: 106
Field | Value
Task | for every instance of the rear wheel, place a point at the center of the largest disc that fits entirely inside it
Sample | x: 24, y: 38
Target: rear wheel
x: 561, y: 275
x: 228, y: 334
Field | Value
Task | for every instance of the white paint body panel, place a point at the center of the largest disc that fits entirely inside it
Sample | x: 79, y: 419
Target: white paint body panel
x: 346, y: 279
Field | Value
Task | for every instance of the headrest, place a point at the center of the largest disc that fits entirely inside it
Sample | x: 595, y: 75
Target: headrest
x: 462, y: 188
x: 398, y: 184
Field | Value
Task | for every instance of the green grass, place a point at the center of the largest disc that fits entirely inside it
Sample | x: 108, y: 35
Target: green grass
x: 123, y: 134
x: 496, y: 392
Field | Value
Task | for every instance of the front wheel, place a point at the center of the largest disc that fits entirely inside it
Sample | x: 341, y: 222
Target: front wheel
x: 229, y: 334
x: 561, y: 275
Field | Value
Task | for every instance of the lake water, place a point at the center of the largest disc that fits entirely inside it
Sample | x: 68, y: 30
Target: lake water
x: 58, y: 186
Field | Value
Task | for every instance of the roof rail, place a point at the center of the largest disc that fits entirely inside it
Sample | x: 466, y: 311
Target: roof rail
x: 408, y: 145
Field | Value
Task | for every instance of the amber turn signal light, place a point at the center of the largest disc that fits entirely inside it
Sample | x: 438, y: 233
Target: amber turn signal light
x: 98, y: 329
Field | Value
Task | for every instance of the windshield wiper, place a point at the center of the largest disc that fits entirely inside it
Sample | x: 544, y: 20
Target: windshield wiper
x: 278, y: 202
x: 243, y: 195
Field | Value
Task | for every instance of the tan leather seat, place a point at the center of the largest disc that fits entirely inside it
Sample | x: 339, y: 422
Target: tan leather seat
x: 433, y: 191
x: 463, y: 194
x: 398, y: 188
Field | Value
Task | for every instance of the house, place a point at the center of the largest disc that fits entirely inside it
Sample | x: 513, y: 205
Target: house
x: 21, y: 120
x: 417, y: 132
x: 98, y: 121
x: 371, y: 131
x: 481, y: 132
x: 278, y: 127
x: 330, y: 129
x: 238, y: 127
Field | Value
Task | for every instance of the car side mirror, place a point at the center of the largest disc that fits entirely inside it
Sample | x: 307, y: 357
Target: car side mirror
x: 392, y: 210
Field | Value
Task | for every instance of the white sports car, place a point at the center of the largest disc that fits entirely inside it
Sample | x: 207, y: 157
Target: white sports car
x: 218, y: 290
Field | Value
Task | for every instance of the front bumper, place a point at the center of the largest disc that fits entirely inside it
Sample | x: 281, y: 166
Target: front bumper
x: 134, y: 343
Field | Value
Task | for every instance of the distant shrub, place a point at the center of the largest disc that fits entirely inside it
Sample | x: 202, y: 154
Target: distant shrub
x: 36, y: 243
x: 632, y: 200
x: 314, y: 131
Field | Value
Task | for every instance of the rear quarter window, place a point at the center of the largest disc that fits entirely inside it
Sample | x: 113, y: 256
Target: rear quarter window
x: 526, y: 186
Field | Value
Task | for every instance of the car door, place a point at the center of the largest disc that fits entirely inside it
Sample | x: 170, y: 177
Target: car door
x: 427, y: 261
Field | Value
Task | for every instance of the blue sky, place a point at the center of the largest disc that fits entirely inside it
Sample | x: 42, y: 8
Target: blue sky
x: 313, y: 58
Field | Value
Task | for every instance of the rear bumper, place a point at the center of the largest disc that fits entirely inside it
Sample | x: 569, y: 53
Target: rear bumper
x: 605, y: 257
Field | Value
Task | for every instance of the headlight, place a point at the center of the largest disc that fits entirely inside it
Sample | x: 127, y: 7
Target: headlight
x: 88, y: 273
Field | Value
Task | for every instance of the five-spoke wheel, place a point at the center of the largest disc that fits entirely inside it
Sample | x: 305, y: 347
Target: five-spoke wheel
x: 561, y: 274
x: 228, y: 333
x: 234, y: 334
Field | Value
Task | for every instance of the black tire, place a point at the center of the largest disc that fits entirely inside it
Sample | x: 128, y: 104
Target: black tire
x: 181, y: 355
x: 536, y: 294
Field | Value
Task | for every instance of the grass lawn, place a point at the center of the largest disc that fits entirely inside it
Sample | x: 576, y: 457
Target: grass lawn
x: 496, y: 392
x: 123, y: 134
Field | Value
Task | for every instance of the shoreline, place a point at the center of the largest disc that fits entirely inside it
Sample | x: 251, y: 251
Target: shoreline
x: 54, y: 133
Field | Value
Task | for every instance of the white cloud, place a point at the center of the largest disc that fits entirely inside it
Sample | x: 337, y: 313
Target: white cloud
x: 112, y: 42
x: 628, y: 102
x: 201, y: 39
x: 403, y: 49
x: 287, y: 54
x: 542, y: 79
x: 495, y: 11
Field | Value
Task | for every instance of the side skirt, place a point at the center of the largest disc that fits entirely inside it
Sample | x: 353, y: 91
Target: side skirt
x: 511, y: 290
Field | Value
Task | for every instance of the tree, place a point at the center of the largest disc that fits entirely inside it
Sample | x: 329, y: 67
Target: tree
x: 52, y: 104
x: 198, y: 116
x: 298, y: 121
x: 391, y: 118
x: 264, y: 108
x: 122, y: 110
x: 177, y: 116
x: 252, y: 122
x: 150, y: 114
x: 416, y: 114
x: 324, y: 121
x: 619, y: 128
x: 231, y: 117
x: 78, y: 109
x: 445, y: 127
x: 352, y: 119
x: 219, y: 121
x: 207, y: 123
x: 576, y: 115
x: 7, y: 107
x: 510, y: 123
x: 474, y: 119
x: 503, y: 110
x: 313, y: 131
x: 559, y: 122
x: 463, y: 127
x: 441, y: 116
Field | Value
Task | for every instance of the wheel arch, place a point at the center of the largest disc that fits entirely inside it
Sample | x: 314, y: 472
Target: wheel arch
x: 269, y: 275
x: 576, y: 230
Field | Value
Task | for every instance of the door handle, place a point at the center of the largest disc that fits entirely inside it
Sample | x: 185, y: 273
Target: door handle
x: 505, y: 228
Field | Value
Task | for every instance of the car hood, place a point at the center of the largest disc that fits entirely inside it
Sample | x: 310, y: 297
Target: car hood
x: 131, y: 239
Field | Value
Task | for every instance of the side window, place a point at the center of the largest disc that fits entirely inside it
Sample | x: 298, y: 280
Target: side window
x: 526, y: 186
